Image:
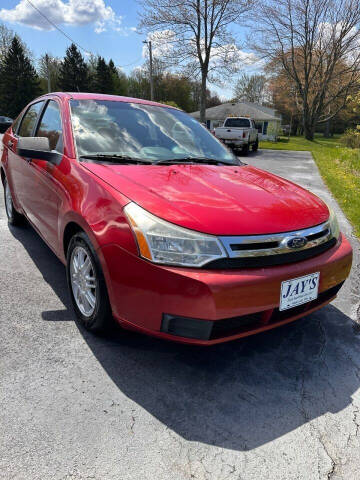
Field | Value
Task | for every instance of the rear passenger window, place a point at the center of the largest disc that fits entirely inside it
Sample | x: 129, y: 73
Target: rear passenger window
x: 29, y: 120
x: 50, y: 126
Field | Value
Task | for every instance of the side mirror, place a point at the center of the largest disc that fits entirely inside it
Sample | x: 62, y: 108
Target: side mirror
x: 37, y: 147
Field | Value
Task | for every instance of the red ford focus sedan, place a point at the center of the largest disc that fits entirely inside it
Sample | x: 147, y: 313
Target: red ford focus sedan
x: 161, y: 227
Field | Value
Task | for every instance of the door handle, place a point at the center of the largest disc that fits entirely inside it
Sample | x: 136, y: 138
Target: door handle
x: 10, y: 144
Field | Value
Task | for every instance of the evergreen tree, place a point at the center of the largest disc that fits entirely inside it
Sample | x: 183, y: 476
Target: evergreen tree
x: 103, y: 77
x: 73, y: 71
x: 19, y: 83
x: 120, y: 82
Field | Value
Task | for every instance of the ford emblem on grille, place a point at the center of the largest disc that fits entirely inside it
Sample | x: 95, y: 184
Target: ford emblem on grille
x: 296, y: 242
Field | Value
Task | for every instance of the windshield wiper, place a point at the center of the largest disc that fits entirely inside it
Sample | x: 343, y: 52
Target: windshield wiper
x: 115, y: 158
x: 210, y: 161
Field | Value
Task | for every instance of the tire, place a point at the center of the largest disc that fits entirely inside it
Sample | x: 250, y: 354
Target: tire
x: 14, y: 217
x: 245, y: 149
x: 87, y: 286
x: 255, y: 146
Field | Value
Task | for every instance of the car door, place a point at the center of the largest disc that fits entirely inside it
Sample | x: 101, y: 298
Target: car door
x: 20, y: 173
x: 42, y: 205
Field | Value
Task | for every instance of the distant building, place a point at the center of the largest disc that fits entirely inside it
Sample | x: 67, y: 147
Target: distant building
x: 268, y: 120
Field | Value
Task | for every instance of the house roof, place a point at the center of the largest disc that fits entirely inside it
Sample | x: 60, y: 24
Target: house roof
x: 239, y: 109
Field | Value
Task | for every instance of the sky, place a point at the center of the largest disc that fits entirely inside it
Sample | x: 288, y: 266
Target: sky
x: 102, y: 27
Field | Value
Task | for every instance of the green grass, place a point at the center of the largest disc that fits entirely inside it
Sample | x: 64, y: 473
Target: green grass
x: 338, y: 165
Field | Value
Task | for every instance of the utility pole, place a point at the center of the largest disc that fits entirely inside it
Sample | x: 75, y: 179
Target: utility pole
x: 48, y: 72
x: 151, y: 69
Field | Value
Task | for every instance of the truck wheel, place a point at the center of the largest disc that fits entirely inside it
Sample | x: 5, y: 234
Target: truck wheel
x: 255, y: 146
x: 245, y: 149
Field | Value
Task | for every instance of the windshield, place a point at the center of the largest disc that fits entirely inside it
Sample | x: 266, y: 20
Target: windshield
x: 237, y: 123
x: 142, y: 131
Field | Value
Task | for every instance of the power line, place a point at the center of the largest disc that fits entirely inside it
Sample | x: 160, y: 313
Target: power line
x: 128, y: 64
x: 58, y: 28
x: 69, y: 38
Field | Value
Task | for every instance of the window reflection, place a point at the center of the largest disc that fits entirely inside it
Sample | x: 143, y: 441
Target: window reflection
x: 29, y: 120
x: 142, y: 131
x: 50, y: 126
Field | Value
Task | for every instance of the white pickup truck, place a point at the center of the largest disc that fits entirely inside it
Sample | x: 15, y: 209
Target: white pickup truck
x: 239, y: 133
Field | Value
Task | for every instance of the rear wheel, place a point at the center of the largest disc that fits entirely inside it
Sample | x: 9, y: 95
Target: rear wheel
x: 255, y: 146
x: 87, y: 285
x: 245, y: 149
x: 14, y: 218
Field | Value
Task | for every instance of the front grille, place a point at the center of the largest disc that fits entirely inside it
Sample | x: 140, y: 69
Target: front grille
x: 269, y: 260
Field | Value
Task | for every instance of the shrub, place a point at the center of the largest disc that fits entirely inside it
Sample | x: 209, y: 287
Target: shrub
x: 351, y: 137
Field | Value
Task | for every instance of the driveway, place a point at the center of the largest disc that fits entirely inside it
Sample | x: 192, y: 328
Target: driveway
x: 282, y: 405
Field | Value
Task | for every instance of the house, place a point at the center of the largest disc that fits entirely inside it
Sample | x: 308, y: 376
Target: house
x: 267, y: 120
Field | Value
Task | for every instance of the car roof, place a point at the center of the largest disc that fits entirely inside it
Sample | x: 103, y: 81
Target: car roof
x: 102, y: 96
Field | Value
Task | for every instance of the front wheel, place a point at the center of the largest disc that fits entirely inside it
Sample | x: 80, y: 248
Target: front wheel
x: 87, y: 285
x: 14, y: 218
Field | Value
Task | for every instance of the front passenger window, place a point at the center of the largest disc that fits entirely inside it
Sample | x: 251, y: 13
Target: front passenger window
x: 29, y: 120
x: 50, y: 127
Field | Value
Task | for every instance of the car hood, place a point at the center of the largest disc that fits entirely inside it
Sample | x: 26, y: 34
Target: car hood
x: 219, y: 200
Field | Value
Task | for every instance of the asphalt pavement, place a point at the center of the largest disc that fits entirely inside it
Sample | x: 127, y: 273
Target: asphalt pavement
x: 282, y: 405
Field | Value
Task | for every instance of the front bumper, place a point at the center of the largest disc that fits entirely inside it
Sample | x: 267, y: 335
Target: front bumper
x: 237, y: 302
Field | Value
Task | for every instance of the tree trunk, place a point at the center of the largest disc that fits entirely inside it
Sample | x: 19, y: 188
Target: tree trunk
x: 294, y: 126
x: 309, y: 126
x: 203, y: 98
x: 327, y: 129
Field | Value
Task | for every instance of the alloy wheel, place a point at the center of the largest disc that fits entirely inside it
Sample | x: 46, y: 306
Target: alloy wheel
x: 83, y: 281
x: 8, y: 201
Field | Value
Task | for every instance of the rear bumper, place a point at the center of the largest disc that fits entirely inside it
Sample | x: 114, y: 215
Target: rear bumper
x: 236, y: 143
x: 238, y: 303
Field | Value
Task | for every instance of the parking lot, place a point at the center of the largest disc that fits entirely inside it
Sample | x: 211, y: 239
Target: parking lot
x: 282, y: 405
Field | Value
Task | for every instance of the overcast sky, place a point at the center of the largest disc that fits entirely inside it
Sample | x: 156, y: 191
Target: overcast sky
x: 104, y: 27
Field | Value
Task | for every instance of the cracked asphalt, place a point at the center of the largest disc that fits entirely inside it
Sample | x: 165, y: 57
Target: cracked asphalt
x: 282, y: 405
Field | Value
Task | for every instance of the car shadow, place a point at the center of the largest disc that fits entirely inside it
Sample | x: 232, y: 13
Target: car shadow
x: 237, y: 395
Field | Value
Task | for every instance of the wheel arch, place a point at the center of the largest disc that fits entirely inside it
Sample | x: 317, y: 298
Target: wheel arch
x: 70, y: 230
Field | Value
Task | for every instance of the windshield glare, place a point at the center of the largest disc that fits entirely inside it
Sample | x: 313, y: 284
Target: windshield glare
x: 142, y: 131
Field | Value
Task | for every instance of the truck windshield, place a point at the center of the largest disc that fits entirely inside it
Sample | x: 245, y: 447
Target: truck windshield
x: 237, y: 123
x: 142, y: 131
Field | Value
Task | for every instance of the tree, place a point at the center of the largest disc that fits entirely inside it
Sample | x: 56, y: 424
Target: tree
x: 49, y: 66
x: 103, y: 82
x: 73, y: 71
x: 19, y: 83
x: 250, y: 88
x: 175, y: 88
x: 119, y: 79
x: 195, y: 34
x: 284, y: 98
x: 6, y: 37
x: 316, y: 43
x: 138, y: 84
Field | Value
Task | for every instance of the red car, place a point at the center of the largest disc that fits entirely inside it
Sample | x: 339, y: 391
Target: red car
x: 161, y: 227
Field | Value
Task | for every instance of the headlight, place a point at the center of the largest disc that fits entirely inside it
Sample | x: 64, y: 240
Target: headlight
x: 163, y: 242
x: 334, y: 225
